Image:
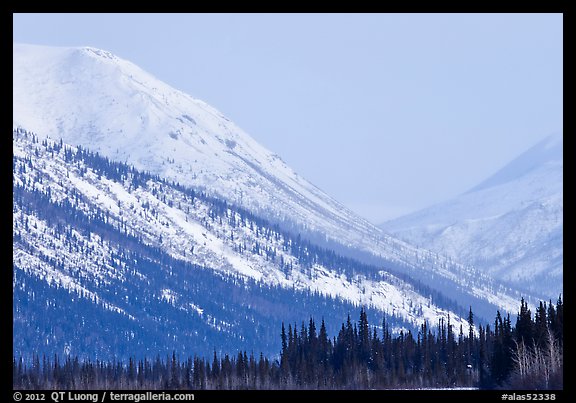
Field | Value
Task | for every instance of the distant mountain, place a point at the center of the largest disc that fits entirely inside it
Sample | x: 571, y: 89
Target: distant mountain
x: 509, y: 226
x: 153, y: 221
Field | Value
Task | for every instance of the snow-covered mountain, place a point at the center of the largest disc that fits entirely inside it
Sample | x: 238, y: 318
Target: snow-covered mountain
x: 510, y: 225
x: 92, y: 98
x: 189, y: 227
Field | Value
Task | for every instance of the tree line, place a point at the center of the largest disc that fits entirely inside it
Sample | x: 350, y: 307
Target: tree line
x: 528, y: 355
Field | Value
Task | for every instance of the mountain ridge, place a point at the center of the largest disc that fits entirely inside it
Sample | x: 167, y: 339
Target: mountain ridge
x: 510, y: 225
x: 549, y: 149
x: 178, y: 137
x: 166, y: 119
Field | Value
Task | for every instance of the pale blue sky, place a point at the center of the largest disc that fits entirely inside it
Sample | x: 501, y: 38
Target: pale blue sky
x: 388, y: 113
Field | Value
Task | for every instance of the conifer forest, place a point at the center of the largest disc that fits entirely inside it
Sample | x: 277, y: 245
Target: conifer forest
x: 526, y: 354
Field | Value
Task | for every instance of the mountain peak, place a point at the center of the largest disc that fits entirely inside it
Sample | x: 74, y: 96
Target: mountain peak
x: 92, y: 98
x: 100, y: 53
x: 549, y: 150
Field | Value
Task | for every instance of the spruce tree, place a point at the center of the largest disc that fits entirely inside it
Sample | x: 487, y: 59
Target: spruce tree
x: 524, y: 325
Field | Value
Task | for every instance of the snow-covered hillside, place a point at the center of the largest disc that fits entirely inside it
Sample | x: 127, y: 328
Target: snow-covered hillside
x: 510, y: 225
x: 193, y: 230
x: 130, y: 244
x: 93, y: 99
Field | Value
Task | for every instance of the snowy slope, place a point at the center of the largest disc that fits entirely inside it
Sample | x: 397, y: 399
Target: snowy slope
x: 142, y: 250
x: 510, y: 225
x: 185, y: 228
x: 94, y: 99
x: 129, y: 116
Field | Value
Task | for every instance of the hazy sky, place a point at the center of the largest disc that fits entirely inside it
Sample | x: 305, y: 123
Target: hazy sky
x: 388, y: 113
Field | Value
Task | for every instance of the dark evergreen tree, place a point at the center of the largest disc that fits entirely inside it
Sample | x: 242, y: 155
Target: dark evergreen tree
x: 540, y: 327
x: 524, y: 325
